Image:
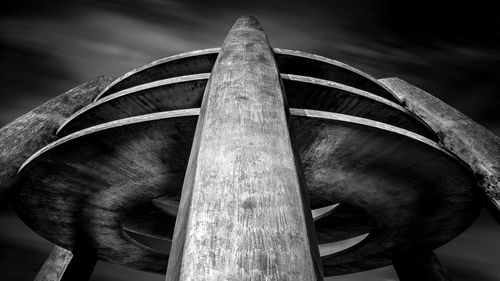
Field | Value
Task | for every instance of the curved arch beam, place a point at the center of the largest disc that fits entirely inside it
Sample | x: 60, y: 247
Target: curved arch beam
x: 200, y: 61
x: 34, y: 130
x: 324, y: 95
x: 306, y: 64
x: 289, y: 61
x: 187, y: 91
x: 471, y: 142
x: 182, y: 92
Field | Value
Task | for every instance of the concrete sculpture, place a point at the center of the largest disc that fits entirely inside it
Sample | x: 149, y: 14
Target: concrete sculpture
x: 248, y: 163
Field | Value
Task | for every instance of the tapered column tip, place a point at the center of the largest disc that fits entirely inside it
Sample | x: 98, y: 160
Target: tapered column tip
x: 247, y: 22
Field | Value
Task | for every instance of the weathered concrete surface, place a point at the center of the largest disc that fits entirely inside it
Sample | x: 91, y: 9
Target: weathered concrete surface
x: 89, y: 185
x: 244, y: 214
x: 402, y: 188
x: 32, y: 131
x: 416, y: 194
x: 419, y: 265
x: 471, y: 142
x: 63, y: 265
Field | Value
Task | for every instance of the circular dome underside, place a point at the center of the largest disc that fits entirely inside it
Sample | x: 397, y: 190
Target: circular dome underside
x: 405, y: 190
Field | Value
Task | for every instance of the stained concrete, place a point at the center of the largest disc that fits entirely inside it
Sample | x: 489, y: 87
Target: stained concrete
x: 400, y: 193
x: 243, y: 213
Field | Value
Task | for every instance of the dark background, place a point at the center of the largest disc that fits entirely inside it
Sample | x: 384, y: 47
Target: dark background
x: 448, y: 48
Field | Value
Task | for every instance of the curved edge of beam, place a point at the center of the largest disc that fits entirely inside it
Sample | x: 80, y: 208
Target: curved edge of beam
x: 343, y: 87
x: 132, y: 90
x: 329, y: 249
x: 205, y: 76
x: 356, y: 91
x: 275, y: 50
x: 320, y: 213
x: 367, y: 122
x: 336, y: 63
x: 336, y: 117
x: 32, y: 131
x: 128, y: 235
x: 155, y: 63
x: 472, y: 143
x: 113, y: 124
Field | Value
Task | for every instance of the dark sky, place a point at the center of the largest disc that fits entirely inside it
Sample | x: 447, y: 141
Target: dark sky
x: 448, y: 48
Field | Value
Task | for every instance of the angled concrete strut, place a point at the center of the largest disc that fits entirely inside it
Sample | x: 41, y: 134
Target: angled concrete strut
x: 243, y: 212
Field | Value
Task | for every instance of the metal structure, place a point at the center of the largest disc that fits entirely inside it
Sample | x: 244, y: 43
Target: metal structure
x: 248, y: 163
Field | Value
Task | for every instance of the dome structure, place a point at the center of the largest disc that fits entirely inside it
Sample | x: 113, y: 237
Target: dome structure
x: 248, y: 162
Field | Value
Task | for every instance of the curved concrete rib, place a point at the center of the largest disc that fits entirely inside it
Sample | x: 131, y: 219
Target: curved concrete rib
x: 366, y: 122
x: 163, y: 95
x: 338, y: 246
x: 200, y: 61
x: 471, y: 142
x: 113, y: 124
x: 289, y: 61
x: 324, y: 95
x: 33, y: 130
x: 187, y: 92
x: 196, y: 111
x: 301, y: 63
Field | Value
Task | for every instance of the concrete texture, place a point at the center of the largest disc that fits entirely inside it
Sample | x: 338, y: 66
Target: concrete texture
x: 243, y: 213
x: 469, y: 141
x: 63, y: 265
x: 401, y: 188
x: 32, y: 131
x: 397, y: 194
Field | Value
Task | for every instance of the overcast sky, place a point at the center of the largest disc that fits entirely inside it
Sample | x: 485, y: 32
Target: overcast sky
x: 446, y: 48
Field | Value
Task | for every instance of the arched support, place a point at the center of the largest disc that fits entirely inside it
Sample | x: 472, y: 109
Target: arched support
x: 64, y: 265
x: 419, y: 266
x: 32, y: 131
x: 471, y: 142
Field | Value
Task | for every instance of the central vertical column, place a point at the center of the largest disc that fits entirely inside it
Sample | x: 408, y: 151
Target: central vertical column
x: 244, y: 214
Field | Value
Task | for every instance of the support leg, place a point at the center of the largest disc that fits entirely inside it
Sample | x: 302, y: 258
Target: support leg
x: 63, y: 265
